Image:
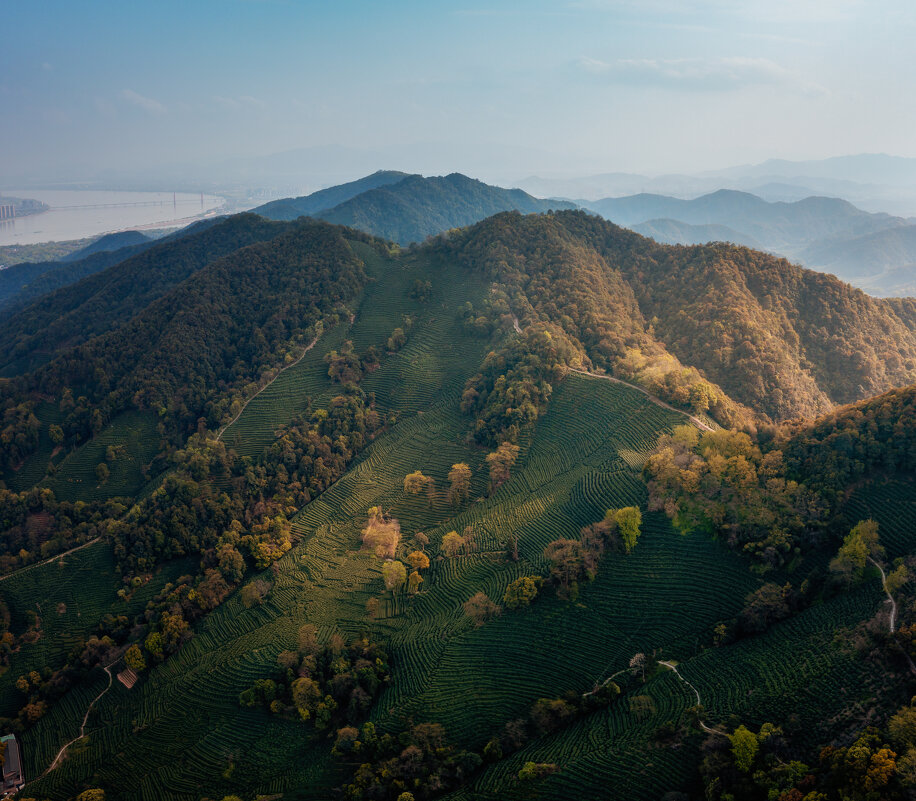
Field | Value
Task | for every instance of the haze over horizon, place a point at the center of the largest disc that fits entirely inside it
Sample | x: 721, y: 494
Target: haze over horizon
x: 588, y: 86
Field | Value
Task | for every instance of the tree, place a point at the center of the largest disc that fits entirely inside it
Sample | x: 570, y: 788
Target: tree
x: 382, y: 533
x: 897, y: 578
x: 452, y: 543
x: 418, y: 560
x: 638, y: 665
x: 414, y: 580
x: 744, y: 748
x: 134, y: 659
x: 56, y: 434
x: 254, y: 592
x: 569, y: 561
x: 307, y: 639
x: 231, y: 563
x: 460, y: 478
x: 415, y: 483
x: 521, y: 592
x: 480, y: 608
x: 536, y: 770
x: 702, y: 396
x: 848, y: 566
x: 91, y: 795
x: 397, y: 339
x: 628, y: 521
x: 394, y: 574
x: 102, y: 472
x: 154, y: 644
x: 500, y: 462
x: 764, y: 606
x: 372, y: 607
x: 306, y: 696
x: 344, y: 367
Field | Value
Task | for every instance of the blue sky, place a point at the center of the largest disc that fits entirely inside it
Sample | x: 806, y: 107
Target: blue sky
x: 564, y: 86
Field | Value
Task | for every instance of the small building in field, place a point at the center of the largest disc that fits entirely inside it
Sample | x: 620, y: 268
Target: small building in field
x: 12, y: 780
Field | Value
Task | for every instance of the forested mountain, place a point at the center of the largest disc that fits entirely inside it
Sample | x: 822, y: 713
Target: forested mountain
x: 414, y: 208
x: 775, y: 337
x: 26, y: 281
x: 108, y: 298
x: 116, y: 241
x: 310, y: 205
x: 300, y: 479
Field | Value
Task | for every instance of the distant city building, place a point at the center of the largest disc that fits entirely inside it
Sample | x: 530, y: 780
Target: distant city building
x: 12, y: 767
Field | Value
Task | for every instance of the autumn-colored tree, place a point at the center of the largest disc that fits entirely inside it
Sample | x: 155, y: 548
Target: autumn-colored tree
x: 521, y: 592
x: 415, y: 483
x: 307, y: 639
x: 382, y: 533
x: 460, y: 478
x: 372, y: 608
x: 254, y: 593
x: 418, y: 560
x: 344, y: 367
x: 500, y: 463
x: 414, y: 580
x: 480, y: 608
x: 452, y: 543
x: 397, y: 339
x: 638, y: 665
x: 897, y: 578
x: 134, y: 658
x: 394, y: 574
x: 848, y: 566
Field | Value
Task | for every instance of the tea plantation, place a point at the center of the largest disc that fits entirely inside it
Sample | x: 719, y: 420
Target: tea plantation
x: 180, y: 733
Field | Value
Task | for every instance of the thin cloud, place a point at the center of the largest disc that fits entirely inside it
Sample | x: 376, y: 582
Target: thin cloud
x: 696, y: 74
x: 146, y: 103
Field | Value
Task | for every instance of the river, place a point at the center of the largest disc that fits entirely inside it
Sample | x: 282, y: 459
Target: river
x: 76, y: 214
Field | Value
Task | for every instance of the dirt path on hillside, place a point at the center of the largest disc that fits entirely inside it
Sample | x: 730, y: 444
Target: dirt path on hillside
x: 50, y: 559
x: 657, y: 401
x: 892, y: 625
x: 63, y: 750
x: 890, y: 598
x: 671, y: 666
x: 311, y: 345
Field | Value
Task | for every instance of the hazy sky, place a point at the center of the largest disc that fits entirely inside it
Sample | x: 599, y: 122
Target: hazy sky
x: 579, y: 85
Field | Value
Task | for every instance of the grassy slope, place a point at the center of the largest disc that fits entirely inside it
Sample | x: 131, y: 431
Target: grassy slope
x: 175, y: 734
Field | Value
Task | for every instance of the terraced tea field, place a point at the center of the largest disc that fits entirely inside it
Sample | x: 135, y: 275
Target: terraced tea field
x: 180, y: 732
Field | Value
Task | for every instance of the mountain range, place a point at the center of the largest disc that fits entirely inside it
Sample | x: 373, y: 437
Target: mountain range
x: 409, y: 208
x: 288, y: 509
